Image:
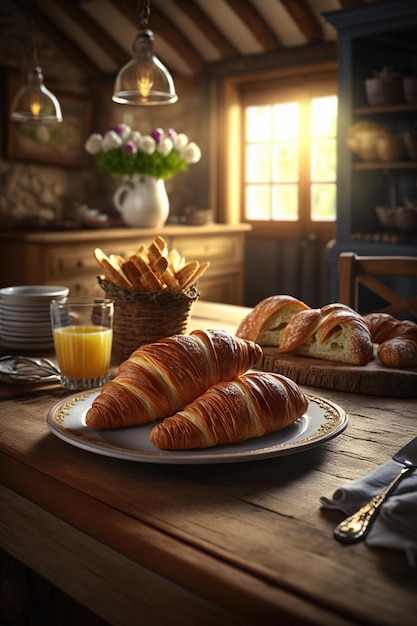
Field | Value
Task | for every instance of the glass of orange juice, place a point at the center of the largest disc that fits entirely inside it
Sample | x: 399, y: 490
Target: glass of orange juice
x: 83, y: 333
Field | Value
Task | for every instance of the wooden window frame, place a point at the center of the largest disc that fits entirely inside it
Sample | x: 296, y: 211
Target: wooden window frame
x: 227, y: 143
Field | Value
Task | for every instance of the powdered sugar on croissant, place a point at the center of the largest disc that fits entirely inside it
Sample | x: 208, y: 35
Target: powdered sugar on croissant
x: 252, y: 405
x: 160, y: 378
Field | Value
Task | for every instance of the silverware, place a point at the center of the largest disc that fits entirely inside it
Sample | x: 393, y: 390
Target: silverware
x: 28, y: 369
x: 356, y: 527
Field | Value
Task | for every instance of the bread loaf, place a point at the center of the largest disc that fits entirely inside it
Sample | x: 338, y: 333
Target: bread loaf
x: 334, y: 332
x: 160, y: 378
x: 250, y: 406
x: 267, y: 321
x: 397, y: 339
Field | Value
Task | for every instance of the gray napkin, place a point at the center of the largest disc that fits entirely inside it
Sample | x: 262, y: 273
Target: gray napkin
x: 395, y: 526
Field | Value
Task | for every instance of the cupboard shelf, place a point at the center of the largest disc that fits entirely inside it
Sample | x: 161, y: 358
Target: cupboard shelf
x: 386, y: 108
x: 372, y: 36
x: 386, y: 165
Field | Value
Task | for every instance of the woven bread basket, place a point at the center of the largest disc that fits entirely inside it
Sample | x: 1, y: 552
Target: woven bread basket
x: 145, y: 317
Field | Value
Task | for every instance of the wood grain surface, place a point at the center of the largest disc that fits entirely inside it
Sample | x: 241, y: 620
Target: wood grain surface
x: 373, y: 379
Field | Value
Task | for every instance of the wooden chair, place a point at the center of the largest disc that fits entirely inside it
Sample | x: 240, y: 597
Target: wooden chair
x: 368, y: 271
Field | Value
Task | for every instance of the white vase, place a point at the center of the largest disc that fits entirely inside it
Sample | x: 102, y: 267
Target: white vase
x: 142, y: 201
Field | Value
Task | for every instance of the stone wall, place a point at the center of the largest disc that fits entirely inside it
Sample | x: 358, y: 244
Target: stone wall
x: 44, y: 196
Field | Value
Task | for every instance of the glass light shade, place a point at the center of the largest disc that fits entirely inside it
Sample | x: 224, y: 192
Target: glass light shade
x: 144, y: 80
x: 34, y: 104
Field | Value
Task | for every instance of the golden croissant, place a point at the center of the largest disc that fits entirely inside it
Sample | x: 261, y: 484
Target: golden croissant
x: 252, y: 405
x: 160, y: 378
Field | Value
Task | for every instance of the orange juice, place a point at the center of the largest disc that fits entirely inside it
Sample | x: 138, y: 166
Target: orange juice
x: 83, y: 351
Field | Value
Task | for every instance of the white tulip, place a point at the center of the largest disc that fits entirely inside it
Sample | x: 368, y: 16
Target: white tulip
x: 191, y: 153
x: 93, y: 143
x: 125, y: 131
x: 165, y: 146
x: 111, y: 140
x: 135, y: 137
x: 180, y: 141
x: 147, y: 144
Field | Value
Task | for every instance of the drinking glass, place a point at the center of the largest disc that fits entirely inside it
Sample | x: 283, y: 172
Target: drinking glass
x: 83, y: 333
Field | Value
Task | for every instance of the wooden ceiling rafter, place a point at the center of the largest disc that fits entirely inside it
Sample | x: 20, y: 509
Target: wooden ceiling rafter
x: 204, y: 24
x: 163, y: 26
x: 93, y: 30
x: 305, y: 19
x: 63, y: 42
x: 259, y: 28
x: 351, y: 4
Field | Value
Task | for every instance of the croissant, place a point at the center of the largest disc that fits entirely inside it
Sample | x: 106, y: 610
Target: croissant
x: 335, y: 332
x: 252, y: 405
x: 160, y: 378
x: 397, y: 339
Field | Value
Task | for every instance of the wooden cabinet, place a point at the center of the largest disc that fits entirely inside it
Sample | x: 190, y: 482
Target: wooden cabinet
x: 67, y: 258
x: 371, y: 37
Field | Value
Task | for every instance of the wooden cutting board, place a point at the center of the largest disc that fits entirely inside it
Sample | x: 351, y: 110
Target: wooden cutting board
x: 374, y: 379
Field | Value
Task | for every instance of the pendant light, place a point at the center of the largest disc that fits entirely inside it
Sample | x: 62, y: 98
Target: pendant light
x: 34, y: 103
x: 144, y: 80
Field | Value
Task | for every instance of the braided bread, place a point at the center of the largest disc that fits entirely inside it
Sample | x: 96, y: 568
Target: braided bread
x: 335, y: 332
x: 250, y: 406
x: 397, y: 339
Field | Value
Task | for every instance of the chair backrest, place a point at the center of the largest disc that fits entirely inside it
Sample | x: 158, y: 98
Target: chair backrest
x: 368, y: 271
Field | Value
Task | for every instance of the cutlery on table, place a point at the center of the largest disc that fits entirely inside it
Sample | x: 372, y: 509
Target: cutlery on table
x: 29, y: 369
x: 356, y: 527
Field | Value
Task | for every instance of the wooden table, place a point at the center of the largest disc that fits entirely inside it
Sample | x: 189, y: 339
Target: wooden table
x: 238, y: 543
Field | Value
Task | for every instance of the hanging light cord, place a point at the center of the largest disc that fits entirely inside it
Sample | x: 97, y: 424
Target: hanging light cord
x: 31, y: 45
x: 144, y: 10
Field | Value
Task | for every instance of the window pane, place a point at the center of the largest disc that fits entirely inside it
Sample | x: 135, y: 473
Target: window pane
x: 286, y: 120
x: 324, y: 116
x: 258, y: 202
x: 285, y: 162
x: 323, y: 159
x: 290, y: 158
x: 285, y: 202
x: 258, y: 163
x: 323, y: 202
x: 258, y: 123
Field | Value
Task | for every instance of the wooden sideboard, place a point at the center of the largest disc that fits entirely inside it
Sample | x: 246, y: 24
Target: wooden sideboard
x: 67, y: 258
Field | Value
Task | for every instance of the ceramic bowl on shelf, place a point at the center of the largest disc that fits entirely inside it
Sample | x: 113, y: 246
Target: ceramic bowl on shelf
x: 400, y: 218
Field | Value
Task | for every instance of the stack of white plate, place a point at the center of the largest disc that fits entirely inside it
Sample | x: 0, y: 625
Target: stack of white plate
x: 25, y: 321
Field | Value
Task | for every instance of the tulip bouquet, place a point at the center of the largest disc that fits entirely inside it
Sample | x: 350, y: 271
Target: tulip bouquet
x: 122, y: 151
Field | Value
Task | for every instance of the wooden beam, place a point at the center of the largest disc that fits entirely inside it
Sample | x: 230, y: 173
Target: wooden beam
x: 94, y: 31
x: 257, y: 25
x: 305, y: 19
x: 350, y: 4
x: 162, y: 25
x: 203, y: 22
x: 63, y: 43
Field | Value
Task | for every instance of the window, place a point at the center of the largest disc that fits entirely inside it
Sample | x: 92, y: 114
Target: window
x: 288, y: 171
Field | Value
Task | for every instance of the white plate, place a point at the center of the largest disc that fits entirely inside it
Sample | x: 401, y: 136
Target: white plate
x: 323, y: 420
x: 27, y: 317
x: 32, y: 294
x: 26, y: 327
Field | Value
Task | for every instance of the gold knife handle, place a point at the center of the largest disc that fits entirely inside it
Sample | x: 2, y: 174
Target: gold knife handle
x: 355, y: 527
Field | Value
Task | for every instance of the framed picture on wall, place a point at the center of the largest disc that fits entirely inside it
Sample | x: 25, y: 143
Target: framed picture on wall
x: 60, y: 144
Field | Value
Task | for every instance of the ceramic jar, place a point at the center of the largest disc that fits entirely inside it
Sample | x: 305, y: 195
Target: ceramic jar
x: 142, y: 201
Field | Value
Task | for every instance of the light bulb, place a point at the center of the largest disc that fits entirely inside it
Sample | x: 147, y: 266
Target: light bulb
x: 144, y: 80
x: 34, y: 103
